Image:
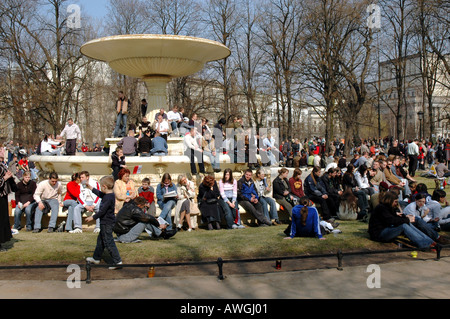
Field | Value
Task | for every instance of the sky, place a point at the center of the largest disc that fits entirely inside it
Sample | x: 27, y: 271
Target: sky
x: 94, y: 8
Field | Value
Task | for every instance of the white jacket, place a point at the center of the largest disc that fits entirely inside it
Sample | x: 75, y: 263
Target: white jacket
x: 86, y: 195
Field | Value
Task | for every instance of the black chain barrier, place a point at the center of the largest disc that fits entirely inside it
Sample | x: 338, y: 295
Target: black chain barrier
x: 220, y: 262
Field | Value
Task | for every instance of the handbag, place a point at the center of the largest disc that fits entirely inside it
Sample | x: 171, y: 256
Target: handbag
x: 194, y: 208
x: 211, y: 201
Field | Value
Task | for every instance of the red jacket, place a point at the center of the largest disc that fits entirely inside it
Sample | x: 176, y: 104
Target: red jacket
x: 73, y: 191
x: 148, y: 194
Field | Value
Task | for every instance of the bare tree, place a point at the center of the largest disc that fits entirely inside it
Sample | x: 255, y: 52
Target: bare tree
x: 328, y: 30
x: 221, y: 20
x: 250, y: 59
x: 397, y: 38
x: 283, y: 33
x: 44, y: 54
x: 355, y: 62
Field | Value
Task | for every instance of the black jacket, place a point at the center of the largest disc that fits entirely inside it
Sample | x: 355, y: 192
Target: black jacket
x: 25, y: 192
x: 330, y: 185
x: 145, y: 144
x: 382, y: 217
x: 279, y: 188
x: 116, y: 161
x: 129, y: 216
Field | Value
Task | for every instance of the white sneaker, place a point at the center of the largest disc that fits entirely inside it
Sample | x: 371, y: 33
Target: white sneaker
x: 190, y: 229
x: 116, y: 267
x: 76, y: 231
x: 14, y: 231
x: 92, y: 260
x: 96, y: 230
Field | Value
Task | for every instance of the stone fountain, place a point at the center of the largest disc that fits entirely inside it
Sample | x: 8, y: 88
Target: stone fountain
x: 156, y: 59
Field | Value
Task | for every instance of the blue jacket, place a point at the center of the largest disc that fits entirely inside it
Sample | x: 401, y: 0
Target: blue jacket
x: 312, y: 189
x: 161, y: 190
x: 159, y: 145
x: 245, y: 190
x: 312, y: 227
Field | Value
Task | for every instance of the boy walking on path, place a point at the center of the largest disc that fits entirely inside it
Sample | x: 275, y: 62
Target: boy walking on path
x: 107, y: 218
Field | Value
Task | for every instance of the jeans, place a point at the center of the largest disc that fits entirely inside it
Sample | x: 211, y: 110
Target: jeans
x: 256, y: 210
x: 133, y: 234
x: 363, y: 203
x: 34, y: 172
x: 412, y: 165
x: 145, y: 154
x: 214, y: 159
x: 410, y: 231
x: 137, y: 230
x: 121, y: 119
x: 56, y: 152
x: 105, y: 239
x: 71, y: 204
x: 230, y: 213
x: 18, y: 215
x: 54, y: 205
x: 269, y: 202
x: 79, y: 210
x: 192, y: 155
x: 426, y: 228
x: 166, y: 211
x: 71, y: 147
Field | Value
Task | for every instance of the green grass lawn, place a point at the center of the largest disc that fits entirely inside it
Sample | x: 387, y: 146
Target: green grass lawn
x: 200, y: 245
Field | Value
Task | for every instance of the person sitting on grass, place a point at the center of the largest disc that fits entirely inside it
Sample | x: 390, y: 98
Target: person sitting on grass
x: 131, y: 221
x: 387, y: 222
x: 107, y: 218
x: 305, y: 221
x: 438, y: 206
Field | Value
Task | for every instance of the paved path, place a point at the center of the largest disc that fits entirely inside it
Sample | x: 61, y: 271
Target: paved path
x: 406, y: 280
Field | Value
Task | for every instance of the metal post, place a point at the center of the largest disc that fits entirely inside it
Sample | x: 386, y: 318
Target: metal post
x: 88, y: 272
x: 438, y: 251
x: 340, y: 256
x: 220, y: 264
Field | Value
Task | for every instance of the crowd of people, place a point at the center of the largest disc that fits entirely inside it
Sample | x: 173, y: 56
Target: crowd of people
x: 376, y: 185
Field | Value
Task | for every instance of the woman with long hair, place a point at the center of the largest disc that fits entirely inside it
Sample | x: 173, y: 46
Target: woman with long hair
x: 387, y: 222
x: 70, y: 200
x: 305, y: 221
x: 349, y: 181
x: 362, y: 180
x: 296, y: 184
x: 348, y: 207
x: 282, y: 190
x: 208, y: 199
x: 315, y: 190
x: 166, y: 194
x: 50, y: 147
x: 228, y: 200
x: 186, y: 194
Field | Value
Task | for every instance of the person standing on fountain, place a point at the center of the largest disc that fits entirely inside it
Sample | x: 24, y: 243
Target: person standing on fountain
x: 72, y: 133
x: 193, y: 150
x: 122, y: 107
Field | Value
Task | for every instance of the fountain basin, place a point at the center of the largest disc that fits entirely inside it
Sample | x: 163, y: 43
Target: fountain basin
x: 156, y: 59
